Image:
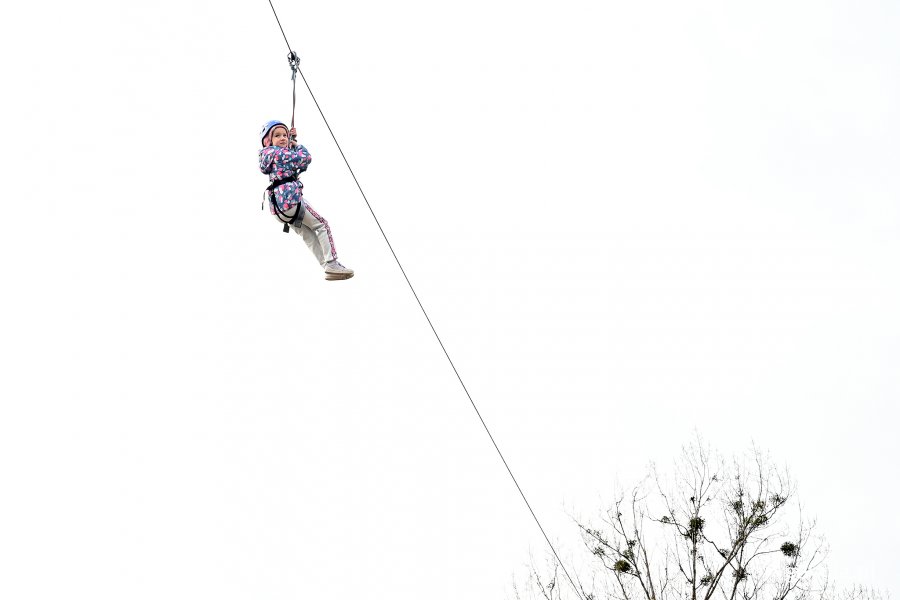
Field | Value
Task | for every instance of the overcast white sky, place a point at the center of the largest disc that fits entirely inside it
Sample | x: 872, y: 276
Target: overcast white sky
x: 628, y: 221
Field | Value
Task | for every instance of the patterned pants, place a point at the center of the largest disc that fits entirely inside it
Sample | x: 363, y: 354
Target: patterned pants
x: 315, y: 232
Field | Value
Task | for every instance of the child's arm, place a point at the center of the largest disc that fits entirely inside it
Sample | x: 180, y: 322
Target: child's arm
x: 274, y: 158
x: 299, y: 158
x: 304, y: 158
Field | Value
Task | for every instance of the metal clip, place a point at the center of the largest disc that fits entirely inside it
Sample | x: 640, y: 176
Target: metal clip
x: 294, y: 62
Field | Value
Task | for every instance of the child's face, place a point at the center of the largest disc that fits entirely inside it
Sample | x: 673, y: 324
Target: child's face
x: 279, y: 137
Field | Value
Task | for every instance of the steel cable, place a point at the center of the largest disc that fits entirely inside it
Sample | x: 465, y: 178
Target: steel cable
x: 294, y: 65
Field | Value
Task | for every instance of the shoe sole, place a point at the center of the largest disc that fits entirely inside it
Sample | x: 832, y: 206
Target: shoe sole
x: 337, y: 276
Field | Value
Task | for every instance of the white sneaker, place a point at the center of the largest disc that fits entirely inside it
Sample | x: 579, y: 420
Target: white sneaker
x: 335, y: 270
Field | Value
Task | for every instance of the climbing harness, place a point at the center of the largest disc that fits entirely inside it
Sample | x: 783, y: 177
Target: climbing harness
x: 288, y: 220
x: 295, y: 69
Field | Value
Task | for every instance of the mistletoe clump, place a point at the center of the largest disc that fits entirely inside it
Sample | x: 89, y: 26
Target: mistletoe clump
x: 622, y: 566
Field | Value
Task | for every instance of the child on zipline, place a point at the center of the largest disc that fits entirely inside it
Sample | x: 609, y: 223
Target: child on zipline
x: 283, y: 159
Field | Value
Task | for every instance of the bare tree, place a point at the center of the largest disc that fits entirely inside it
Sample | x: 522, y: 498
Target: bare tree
x: 859, y: 592
x: 715, y: 530
x: 552, y: 587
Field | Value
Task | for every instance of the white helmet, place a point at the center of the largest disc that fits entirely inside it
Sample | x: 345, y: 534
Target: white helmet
x: 268, y: 127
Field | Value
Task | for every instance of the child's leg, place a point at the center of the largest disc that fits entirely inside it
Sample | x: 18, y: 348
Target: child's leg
x: 317, y: 235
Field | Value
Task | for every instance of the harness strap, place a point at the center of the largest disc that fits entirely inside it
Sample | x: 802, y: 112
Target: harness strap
x: 288, y: 220
x: 278, y: 182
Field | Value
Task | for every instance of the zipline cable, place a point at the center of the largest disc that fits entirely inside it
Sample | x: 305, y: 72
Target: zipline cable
x: 280, y: 27
x: 292, y: 57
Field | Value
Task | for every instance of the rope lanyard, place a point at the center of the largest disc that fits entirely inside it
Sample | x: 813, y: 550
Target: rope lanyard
x: 294, y: 62
x: 295, y: 68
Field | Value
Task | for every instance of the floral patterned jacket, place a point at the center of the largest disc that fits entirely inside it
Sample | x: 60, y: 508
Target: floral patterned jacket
x: 281, y: 163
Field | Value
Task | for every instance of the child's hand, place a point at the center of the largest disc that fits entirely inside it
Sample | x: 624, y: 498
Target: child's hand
x: 293, y: 135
